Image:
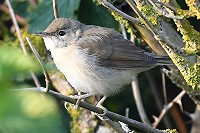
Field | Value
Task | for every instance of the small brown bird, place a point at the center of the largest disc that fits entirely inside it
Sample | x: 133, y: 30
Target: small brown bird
x: 95, y: 60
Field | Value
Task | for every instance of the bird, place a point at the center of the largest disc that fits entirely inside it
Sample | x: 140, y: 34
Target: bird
x: 95, y: 60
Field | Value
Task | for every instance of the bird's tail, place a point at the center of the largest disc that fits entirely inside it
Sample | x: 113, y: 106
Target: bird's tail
x: 163, y: 60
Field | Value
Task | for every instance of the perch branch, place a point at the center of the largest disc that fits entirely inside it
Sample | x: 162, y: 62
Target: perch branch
x: 111, y: 115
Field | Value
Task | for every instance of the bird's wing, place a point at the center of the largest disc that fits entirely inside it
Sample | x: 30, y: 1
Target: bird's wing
x: 113, y: 50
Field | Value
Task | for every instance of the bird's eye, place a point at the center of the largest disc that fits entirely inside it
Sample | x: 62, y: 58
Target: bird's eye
x: 61, y: 33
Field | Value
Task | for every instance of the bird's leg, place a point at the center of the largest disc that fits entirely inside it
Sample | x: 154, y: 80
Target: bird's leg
x: 79, y: 97
x: 99, y: 104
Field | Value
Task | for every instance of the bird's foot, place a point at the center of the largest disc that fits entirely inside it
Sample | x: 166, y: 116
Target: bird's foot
x: 99, y: 104
x: 79, y: 97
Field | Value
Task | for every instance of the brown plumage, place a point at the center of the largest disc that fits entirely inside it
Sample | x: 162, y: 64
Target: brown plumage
x: 95, y: 60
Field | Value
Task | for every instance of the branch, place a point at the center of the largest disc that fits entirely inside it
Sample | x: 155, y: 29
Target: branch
x: 36, y: 81
x: 166, y: 108
x: 157, y: 97
x: 165, y: 42
x: 55, y: 8
x: 166, y: 5
x: 12, y: 14
x: 164, y: 13
x: 138, y: 101
x: 106, y: 4
x: 111, y: 115
x: 47, y: 78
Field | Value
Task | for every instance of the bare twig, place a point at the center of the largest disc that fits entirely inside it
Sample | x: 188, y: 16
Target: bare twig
x: 47, y: 78
x: 111, y: 115
x: 164, y: 13
x: 55, y: 8
x: 167, y: 107
x: 138, y: 101
x: 166, y: 5
x: 36, y: 81
x: 12, y: 14
x: 164, y: 87
x: 123, y: 31
x: 154, y: 87
x: 112, y: 8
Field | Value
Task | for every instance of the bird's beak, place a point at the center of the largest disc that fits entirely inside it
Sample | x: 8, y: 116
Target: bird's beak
x: 42, y: 34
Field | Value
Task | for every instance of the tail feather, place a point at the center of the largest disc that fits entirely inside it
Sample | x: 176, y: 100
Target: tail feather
x: 164, y: 60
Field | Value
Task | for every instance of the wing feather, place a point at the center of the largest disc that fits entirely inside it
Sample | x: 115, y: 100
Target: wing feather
x: 113, y: 50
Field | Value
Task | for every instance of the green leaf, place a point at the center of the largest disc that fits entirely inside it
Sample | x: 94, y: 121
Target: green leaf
x: 41, y: 17
x: 14, y: 64
x: 29, y: 112
x: 91, y: 13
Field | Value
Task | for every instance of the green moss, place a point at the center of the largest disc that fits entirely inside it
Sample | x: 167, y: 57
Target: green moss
x: 190, y: 36
x: 82, y: 120
x: 185, y: 13
x: 126, y: 23
x: 36, y: 41
x: 149, y: 13
x: 191, y: 73
x: 193, y: 8
x: 166, y: 1
x: 75, y: 114
x: 170, y: 131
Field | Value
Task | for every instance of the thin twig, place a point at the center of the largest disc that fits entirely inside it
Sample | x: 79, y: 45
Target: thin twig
x: 112, y: 8
x: 167, y: 107
x: 164, y: 87
x: 138, y: 101
x: 55, y: 8
x: 123, y: 31
x: 12, y: 14
x: 36, y: 81
x: 154, y: 87
x: 164, y: 13
x: 111, y: 115
x: 47, y: 78
x: 166, y: 5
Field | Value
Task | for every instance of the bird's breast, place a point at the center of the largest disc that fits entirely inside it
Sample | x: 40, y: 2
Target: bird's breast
x: 77, y: 66
x: 85, y: 75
